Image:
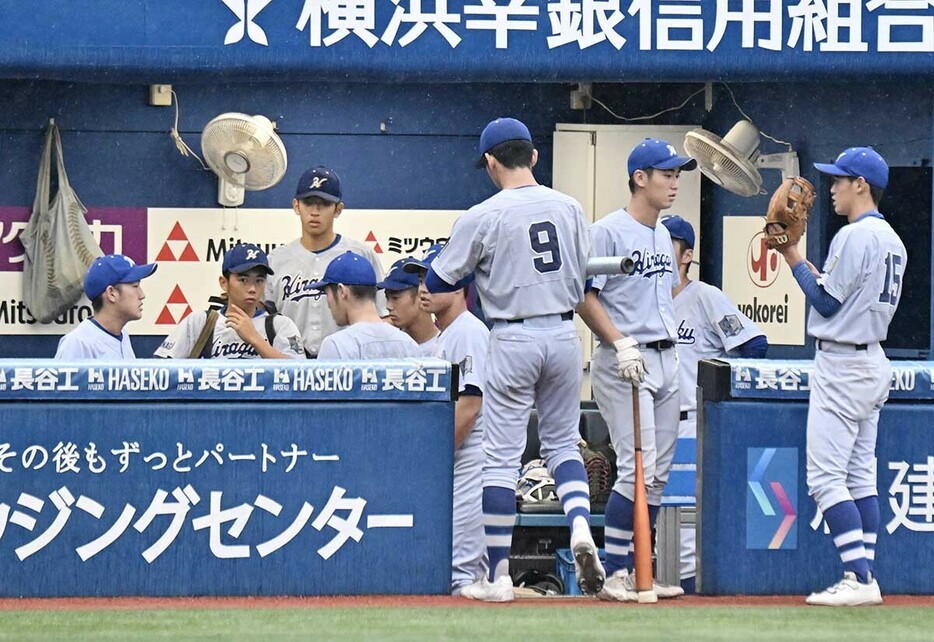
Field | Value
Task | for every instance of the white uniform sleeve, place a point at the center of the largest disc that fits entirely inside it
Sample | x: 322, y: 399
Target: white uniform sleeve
x: 731, y: 326
x: 601, y: 245
x: 468, y: 351
x: 843, y: 270
x: 179, y: 343
x: 288, y: 339
x: 462, y: 251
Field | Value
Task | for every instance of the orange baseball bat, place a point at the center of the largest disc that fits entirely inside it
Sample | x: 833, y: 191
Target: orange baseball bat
x: 642, y: 531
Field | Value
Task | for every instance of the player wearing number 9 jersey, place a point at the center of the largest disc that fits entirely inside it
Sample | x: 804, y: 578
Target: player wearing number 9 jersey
x: 528, y: 247
x: 853, y: 300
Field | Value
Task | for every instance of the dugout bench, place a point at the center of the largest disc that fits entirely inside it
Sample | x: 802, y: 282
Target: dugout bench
x: 541, y: 527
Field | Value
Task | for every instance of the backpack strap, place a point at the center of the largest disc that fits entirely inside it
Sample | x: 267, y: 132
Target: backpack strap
x: 271, y: 326
x: 202, y: 347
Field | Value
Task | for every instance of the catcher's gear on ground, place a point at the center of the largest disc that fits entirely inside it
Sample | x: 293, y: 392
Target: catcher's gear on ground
x: 787, y: 217
x: 599, y: 473
x: 535, y: 484
x: 629, y: 360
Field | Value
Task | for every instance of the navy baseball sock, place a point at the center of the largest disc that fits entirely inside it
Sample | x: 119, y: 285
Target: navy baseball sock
x: 847, y: 531
x: 499, y: 519
x: 618, y: 533
x: 573, y: 490
x: 868, y: 508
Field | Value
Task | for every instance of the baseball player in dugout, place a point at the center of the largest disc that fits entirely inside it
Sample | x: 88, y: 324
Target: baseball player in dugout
x: 112, y: 283
x: 709, y: 326
x: 349, y: 285
x: 632, y: 316
x: 242, y: 328
x: 464, y: 341
x: 405, y: 310
x: 853, y: 300
x: 527, y: 247
x: 317, y: 203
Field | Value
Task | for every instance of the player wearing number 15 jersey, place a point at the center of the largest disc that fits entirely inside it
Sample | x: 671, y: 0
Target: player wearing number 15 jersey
x: 528, y: 247
x: 853, y: 300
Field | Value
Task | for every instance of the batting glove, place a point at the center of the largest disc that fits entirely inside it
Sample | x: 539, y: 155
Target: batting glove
x: 629, y: 360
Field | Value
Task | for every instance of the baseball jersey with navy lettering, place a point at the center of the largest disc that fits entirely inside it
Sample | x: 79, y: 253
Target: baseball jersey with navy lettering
x: 368, y: 340
x: 227, y: 343
x: 863, y: 271
x: 640, y: 303
x: 709, y: 326
x: 89, y: 340
x: 520, y: 261
x: 295, y: 267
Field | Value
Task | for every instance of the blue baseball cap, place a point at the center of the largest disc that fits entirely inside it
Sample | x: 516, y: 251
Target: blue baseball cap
x: 856, y: 162
x: 414, y: 267
x: 112, y: 269
x: 348, y: 268
x: 243, y: 257
x: 398, y: 279
x: 321, y: 182
x: 678, y: 228
x: 658, y: 154
x: 499, y: 131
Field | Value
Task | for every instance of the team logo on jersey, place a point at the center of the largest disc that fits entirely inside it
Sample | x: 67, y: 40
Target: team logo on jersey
x: 293, y: 288
x: 296, y: 345
x: 466, y: 366
x: 233, y: 350
x: 648, y: 264
x: 730, y: 325
x: 685, y: 334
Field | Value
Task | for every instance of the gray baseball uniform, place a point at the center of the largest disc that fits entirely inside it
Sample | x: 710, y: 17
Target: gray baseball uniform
x: 227, y: 343
x: 465, y: 342
x: 640, y: 305
x: 528, y: 248
x: 295, y: 267
x: 368, y: 340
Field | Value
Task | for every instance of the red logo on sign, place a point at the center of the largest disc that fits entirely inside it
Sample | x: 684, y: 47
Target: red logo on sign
x: 175, y: 309
x: 762, y: 263
x: 371, y: 238
x: 177, y: 247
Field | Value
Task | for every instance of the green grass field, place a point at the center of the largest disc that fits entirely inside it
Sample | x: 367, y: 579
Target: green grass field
x: 525, y: 624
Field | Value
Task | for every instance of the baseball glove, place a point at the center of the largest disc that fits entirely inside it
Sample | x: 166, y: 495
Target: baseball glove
x: 599, y: 473
x: 787, y: 217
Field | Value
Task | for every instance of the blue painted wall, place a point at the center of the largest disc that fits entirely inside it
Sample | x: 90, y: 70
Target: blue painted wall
x: 118, y: 152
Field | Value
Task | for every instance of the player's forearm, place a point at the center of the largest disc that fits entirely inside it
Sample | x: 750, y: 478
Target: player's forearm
x: 264, y: 350
x: 466, y: 411
x: 824, y: 303
x: 594, y: 315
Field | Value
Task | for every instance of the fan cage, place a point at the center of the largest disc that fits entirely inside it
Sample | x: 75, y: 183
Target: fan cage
x: 252, y: 138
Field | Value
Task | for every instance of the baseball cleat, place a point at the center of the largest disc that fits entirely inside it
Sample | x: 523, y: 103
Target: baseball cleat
x: 483, y: 590
x: 590, y: 573
x: 619, y: 587
x: 848, y: 592
x: 667, y: 591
